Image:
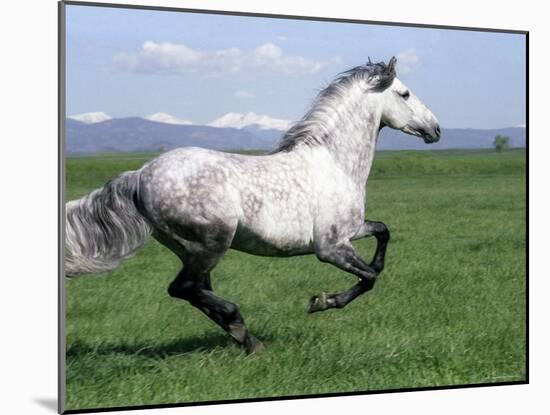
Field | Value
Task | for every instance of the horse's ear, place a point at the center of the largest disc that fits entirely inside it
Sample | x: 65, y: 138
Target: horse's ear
x: 391, y: 65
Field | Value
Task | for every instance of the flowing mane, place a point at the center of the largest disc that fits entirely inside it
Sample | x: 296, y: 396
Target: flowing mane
x: 313, y: 128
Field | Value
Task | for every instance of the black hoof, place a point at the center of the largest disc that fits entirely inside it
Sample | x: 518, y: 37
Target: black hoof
x: 317, y: 303
x: 253, y: 345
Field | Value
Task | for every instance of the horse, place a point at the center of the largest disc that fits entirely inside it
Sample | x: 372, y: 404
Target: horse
x: 307, y: 196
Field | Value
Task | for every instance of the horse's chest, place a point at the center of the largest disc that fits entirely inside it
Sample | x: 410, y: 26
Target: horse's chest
x: 339, y: 198
x: 341, y: 207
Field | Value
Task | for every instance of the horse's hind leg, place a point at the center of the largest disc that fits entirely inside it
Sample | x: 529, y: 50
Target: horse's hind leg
x: 193, y: 284
x: 344, y: 256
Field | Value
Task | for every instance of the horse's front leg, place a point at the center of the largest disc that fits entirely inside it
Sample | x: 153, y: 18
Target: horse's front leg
x: 344, y: 256
x: 380, y: 231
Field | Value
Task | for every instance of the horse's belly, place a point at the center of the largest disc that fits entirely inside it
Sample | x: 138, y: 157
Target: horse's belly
x: 273, y: 238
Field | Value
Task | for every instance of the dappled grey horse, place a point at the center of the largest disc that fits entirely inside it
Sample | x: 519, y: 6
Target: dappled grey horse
x: 305, y: 197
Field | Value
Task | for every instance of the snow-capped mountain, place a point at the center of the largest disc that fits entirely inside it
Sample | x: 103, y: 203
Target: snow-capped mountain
x: 139, y: 134
x: 91, y: 117
x: 167, y: 119
x: 98, y: 132
x: 239, y: 120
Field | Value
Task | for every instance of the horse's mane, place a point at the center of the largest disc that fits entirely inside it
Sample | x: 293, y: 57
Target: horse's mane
x: 312, y: 129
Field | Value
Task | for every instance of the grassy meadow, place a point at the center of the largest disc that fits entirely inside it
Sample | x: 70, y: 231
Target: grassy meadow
x: 448, y: 309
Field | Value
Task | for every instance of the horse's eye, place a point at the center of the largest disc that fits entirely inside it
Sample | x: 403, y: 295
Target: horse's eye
x: 405, y: 95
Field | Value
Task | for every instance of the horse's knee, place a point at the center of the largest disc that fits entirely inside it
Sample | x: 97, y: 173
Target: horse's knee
x: 382, y: 232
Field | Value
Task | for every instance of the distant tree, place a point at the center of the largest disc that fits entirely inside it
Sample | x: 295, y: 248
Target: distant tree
x: 501, y: 143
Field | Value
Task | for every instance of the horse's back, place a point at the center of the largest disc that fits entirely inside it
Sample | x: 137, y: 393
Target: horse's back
x: 262, y: 200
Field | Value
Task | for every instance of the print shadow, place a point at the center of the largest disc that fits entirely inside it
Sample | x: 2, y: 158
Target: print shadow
x: 48, y: 403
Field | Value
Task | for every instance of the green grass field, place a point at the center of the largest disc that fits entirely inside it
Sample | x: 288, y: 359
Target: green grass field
x: 448, y: 309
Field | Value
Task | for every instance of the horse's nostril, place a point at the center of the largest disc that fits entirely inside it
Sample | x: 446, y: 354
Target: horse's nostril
x: 437, y: 131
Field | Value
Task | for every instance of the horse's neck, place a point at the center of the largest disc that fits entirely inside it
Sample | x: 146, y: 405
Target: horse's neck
x: 353, y: 149
x: 351, y: 130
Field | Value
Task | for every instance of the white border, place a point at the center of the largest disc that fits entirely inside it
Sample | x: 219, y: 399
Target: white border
x: 28, y: 171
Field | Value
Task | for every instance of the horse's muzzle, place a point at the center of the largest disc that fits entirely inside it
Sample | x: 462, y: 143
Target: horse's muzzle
x: 432, y: 135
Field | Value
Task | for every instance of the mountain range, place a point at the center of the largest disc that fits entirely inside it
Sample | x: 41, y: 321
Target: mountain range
x: 98, y: 132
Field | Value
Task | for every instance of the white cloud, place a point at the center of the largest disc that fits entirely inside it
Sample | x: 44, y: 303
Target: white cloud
x: 174, y: 58
x: 244, y: 94
x: 407, y: 62
x: 270, y: 56
x: 177, y: 58
x: 268, y: 51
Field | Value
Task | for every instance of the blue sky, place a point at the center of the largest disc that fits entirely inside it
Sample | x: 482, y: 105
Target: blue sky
x: 200, y: 67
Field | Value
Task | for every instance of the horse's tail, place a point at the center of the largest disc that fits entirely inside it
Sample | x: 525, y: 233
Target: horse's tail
x: 104, y: 227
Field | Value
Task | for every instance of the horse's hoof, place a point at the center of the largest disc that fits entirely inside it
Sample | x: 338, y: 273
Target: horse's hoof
x: 253, y: 345
x: 317, y: 303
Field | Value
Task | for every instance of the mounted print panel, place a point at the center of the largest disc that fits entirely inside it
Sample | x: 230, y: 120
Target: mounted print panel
x: 270, y: 207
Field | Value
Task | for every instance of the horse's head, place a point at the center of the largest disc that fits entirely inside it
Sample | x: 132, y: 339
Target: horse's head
x: 401, y: 109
